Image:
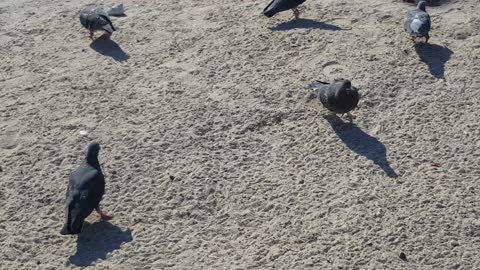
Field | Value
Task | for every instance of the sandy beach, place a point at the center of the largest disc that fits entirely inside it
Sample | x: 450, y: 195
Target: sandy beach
x: 215, y: 157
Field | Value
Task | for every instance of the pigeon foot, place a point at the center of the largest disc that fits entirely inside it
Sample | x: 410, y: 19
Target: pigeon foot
x: 297, y: 11
x: 104, y: 216
x: 351, y: 117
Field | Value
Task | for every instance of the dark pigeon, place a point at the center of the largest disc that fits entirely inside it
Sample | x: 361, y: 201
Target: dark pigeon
x: 86, y: 187
x: 417, y: 22
x: 277, y: 6
x: 339, y: 97
x: 94, y: 18
x: 429, y: 2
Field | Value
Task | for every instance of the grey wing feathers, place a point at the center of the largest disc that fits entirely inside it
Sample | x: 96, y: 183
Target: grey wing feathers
x: 421, y: 23
x: 407, y: 21
x: 417, y: 23
x: 317, y: 85
x: 95, y: 18
x: 321, y: 90
x: 109, y: 23
x: 88, y: 179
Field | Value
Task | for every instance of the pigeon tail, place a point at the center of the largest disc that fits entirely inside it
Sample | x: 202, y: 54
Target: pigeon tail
x: 277, y: 6
x: 317, y: 84
x: 269, y: 11
x: 318, y: 88
x: 422, y: 6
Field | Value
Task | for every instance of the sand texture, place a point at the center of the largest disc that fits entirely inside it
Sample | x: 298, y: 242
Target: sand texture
x: 214, y: 94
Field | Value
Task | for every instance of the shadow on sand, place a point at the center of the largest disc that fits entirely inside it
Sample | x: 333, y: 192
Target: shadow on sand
x: 361, y: 143
x: 105, y: 46
x: 305, y: 24
x: 96, y: 241
x: 435, y: 57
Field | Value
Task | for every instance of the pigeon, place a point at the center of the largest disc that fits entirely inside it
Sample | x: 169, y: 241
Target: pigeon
x: 116, y: 10
x: 85, y: 189
x: 95, y: 18
x: 429, y: 2
x: 417, y: 23
x: 277, y: 6
x: 340, y: 97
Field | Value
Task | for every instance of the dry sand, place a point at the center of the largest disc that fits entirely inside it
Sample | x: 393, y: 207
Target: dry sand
x: 213, y: 93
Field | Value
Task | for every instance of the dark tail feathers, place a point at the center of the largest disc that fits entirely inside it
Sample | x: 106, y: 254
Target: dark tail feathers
x: 109, y: 22
x: 269, y: 11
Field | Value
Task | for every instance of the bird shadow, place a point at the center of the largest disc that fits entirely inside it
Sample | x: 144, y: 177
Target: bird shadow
x: 304, y: 24
x: 435, y: 56
x: 96, y: 241
x: 361, y: 143
x: 105, y: 46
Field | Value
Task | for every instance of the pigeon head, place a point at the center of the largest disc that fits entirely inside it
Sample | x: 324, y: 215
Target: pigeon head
x: 346, y: 84
x: 93, y: 149
x: 347, y: 95
x: 77, y: 209
x: 422, y: 5
x: 92, y: 155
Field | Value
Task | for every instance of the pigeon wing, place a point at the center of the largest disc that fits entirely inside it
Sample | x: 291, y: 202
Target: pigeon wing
x: 407, y: 21
x: 93, y: 181
x: 107, y: 23
x: 277, y: 6
x: 421, y: 23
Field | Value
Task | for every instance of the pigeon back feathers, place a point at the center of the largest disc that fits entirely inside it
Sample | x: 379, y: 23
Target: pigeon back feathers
x: 417, y: 22
x: 338, y: 97
x: 95, y: 18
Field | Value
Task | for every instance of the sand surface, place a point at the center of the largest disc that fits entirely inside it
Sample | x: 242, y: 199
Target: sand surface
x: 212, y: 93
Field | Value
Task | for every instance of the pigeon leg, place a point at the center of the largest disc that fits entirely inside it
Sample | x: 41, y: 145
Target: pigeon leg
x: 351, y: 117
x: 427, y: 37
x: 91, y: 34
x: 296, y: 13
x: 103, y: 216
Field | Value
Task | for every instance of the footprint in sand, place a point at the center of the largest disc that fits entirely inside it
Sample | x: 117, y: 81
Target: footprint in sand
x: 9, y: 140
x: 333, y: 70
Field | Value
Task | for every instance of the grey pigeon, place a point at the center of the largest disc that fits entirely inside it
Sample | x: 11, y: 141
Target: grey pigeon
x: 429, y: 2
x: 95, y: 18
x: 85, y: 190
x: 339, y: 97
x: 277, y: 6
x: 417, y: 22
